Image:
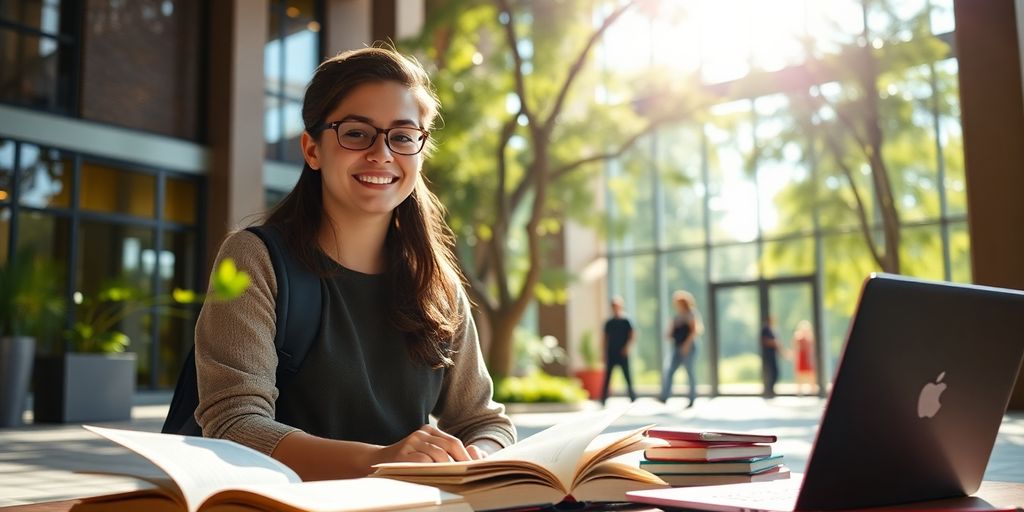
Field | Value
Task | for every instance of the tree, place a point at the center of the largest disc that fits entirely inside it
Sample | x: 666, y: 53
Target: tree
x: 861, y: 112
x: 523, y: 136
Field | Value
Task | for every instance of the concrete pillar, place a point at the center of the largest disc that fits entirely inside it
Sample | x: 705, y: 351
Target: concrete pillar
x: 355, y: 24
x: 238, y: 33
x: 992, y: 109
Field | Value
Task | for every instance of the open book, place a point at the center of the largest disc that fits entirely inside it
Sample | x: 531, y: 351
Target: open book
x: 569, y: 461
x: 214, y: 474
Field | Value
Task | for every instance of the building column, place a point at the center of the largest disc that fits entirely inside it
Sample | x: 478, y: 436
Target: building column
x: 238, y: 33
x: 353, y: 24
x: 992, y: 111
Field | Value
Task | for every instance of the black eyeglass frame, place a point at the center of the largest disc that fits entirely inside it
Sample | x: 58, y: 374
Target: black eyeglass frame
x: 373, y: 140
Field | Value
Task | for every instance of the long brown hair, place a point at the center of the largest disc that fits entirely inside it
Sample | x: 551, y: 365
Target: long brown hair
x: 422, y: 272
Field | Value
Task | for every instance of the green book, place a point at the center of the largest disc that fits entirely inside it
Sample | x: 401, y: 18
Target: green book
x: 744, y: 466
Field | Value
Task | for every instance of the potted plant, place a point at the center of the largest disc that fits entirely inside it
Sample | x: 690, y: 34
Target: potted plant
x: 30, y: 307
x: 591, y: 375
x: 94, y: 379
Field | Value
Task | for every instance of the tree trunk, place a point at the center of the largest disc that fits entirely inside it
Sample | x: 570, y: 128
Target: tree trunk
x: 502, y: 354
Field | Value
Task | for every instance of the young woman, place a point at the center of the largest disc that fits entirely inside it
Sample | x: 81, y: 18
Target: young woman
x: 396, y: 341
x: 683, y: 332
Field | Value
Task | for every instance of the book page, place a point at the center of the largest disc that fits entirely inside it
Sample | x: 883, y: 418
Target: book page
x: 357, y: 494
x: 560, y: 447
x: 200, y: 466
x: 554, y: 452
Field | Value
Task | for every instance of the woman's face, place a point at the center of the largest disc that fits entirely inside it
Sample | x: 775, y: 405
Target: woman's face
x: 371, y: 182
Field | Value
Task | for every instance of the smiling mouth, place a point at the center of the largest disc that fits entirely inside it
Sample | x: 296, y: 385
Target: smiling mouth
x: 376, y: 180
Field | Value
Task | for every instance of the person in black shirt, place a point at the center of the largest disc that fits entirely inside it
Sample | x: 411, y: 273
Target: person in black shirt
x: 683, y: 331
x: 769, y: 357
x: 618, y: 338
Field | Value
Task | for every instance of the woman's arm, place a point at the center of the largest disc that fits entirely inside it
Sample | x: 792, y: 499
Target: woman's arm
x: 236, y: 362
x: 316, y: 458
x: 466, y: 408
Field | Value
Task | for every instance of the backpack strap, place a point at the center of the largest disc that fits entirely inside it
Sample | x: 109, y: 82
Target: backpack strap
x: 298, y: 322
x: 298, y: 304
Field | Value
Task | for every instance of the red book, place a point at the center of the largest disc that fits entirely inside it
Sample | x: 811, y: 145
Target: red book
x: 705, y: 437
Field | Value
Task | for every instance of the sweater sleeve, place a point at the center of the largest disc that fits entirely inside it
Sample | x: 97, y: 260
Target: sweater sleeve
x: 236, y: 361
x: 466, y: 409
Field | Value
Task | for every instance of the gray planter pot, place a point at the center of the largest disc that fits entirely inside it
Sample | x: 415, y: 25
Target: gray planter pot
x: 16, y: 355
x: 77, y: 388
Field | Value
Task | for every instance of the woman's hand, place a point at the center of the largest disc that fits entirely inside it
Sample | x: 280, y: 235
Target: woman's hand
x: 427, y: 444
x: 481, y: 448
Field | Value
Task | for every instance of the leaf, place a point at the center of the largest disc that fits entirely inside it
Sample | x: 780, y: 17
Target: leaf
x: 185, y: 296
x: 228, y: 281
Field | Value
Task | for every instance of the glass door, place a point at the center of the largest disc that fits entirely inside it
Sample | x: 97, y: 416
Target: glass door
x: 740, y: 312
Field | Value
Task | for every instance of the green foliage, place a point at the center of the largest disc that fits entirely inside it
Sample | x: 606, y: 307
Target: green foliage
x: 30, y: 298
x: 97, y: 318
x: 532, y: 351
x: 522, y: 126
x: 588, y: 350
x: 538, y: 387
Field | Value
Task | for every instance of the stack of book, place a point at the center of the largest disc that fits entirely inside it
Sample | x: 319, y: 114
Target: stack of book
x: 712, y: 458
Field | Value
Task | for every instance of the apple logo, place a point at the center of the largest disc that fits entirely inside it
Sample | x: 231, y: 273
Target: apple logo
x: 928, y: 403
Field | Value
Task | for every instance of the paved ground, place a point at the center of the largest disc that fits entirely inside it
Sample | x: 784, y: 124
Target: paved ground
x: 39, y: 462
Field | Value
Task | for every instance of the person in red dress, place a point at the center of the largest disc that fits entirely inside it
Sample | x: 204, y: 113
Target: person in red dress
x: 803, y: 349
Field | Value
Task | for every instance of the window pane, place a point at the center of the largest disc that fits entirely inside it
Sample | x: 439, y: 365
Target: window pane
x: 732, y: 191
x: 177, y: 270
x: 725, y: 43
x: 788, y: 258
x: 46, y: 236
x: 301, y: 46
x: 109, y: 190
x: 737, y: 324
x: 45, y: 179
x: 833, y: 23
x: 951, y: 136
x: 921, y: 252
x: 786, y: 192
x: 141, y: 65
x: 272, y: 129
x: 29, y: 71
x: 776, y: 28
x: 7, y: 148
x: 42, y: 15
x: 734, y: 263
x: 117, y: 255
x: 293, y: 128
x: 682, y: 183
x: 181, y: 200
x: 909, y: 149
x: 960, y: 252
x: 631, y: 197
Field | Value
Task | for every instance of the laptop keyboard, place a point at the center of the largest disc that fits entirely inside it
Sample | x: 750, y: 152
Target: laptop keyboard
x: 773, y: 495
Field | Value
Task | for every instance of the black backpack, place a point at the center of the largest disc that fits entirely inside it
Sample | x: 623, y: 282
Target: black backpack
x: 297, y: 328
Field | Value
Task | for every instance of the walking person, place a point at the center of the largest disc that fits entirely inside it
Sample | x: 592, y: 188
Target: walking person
x: 769, y: 356
x: 617, y: 340
x: 683, y: 332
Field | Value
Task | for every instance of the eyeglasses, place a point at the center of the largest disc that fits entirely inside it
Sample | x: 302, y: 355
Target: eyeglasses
x: 357, y: 136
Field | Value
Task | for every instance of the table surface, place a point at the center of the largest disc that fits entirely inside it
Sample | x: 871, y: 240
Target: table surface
x: 991, y: 495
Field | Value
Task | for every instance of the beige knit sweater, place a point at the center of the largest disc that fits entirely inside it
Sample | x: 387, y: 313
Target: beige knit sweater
x: 236, y: 363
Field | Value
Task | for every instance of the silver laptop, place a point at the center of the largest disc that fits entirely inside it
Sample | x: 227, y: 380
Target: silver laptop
x: 915, y: 407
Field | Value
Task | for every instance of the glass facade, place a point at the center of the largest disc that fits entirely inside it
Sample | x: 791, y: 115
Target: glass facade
x: 97, y: 222
x: 290, y: 56
x: 39, y: 54
x: 763, y: 204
